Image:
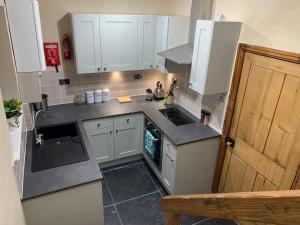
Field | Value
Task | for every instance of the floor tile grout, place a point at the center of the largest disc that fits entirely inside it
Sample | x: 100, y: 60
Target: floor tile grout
x: 141, y: 196
x: 201, y: 221
x: 121, y: 167
x: 119, y: 217
x: 152, y: 180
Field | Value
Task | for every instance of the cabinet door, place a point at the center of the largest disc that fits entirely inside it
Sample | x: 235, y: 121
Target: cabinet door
x: 146, y: 40
x: 102, y: 143
x: 86, y: 28
x: 169, y: 165
x: 119, y: 42
x: 161, y: 41
x: 201, y: 53
x: 127, y: 139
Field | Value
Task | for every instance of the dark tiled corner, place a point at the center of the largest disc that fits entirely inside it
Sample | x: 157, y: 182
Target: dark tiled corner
x: 111, y: 216
x: 191, y: 220
x: 142, y: 211
x: 106, y: 195
x: 129, y: 182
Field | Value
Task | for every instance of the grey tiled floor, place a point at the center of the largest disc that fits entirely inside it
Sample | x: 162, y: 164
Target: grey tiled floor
x: 131, y: 196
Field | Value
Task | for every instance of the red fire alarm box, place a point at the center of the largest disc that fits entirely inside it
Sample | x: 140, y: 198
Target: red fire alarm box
x: 51, y: 53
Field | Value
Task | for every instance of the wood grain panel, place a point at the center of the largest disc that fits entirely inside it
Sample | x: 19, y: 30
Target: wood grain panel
x: 262, y: 184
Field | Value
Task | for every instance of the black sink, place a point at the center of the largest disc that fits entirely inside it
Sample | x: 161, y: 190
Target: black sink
x: 62, y: 145
x: 176, y: 116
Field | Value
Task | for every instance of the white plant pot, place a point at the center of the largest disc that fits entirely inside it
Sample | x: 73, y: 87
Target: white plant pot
x: 13, y: 123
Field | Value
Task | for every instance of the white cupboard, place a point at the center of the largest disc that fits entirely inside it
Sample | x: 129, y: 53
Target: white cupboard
x: 86, y: 38
x: 26, y: 35
x: 213, y: 56
x: 146, y: 41
x: 171, y: 31
x: 119, y: 42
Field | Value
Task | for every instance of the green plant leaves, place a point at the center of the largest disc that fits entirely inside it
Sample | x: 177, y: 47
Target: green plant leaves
x: 13, y: 108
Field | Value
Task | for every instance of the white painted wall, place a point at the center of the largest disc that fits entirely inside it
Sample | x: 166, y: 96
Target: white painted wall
x: 269, y: 23
x: 11, y: 212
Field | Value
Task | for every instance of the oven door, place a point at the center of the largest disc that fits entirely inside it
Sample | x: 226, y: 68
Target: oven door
x: 153, y: 144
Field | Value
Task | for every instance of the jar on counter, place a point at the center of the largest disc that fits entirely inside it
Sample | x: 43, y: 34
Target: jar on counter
x: 105, y: 95
x: 206, y: 119
x: 90, y: 98
x: 98, y: 96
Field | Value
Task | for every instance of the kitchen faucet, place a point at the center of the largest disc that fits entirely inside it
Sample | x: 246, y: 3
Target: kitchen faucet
x: 38, y: 137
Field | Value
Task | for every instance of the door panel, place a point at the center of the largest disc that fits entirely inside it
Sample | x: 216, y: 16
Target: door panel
x: 127, y: 140
x: 87, y: 43
x: 265, y: 126
x: 146, y: 41
x: 161, y: 41
x: 102, y: 143
x: 119, y: 39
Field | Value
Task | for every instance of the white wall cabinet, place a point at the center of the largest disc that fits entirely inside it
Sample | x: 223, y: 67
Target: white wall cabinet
x: 146, y: 42
x: 26, y: 35
x: 115, y: 138
x: 171, y: 31
x: 106, y: 43
x: 119, y: 42
x: 213, y: 57
x: 86, y: 36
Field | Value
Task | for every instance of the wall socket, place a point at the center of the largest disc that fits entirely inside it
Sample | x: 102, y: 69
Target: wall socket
x: 64, y: 81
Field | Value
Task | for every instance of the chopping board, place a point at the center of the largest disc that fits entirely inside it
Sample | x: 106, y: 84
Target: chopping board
x: 123, y: 99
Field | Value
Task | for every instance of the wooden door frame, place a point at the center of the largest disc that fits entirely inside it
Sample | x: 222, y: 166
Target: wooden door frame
x: 242, y: 50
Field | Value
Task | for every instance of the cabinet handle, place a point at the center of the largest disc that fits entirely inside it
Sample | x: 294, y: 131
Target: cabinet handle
x: 98, y: 125
x: 151, y: 66
x: 104, y: 68
x: 157, y: 66
x: 117, y: 131
x: 98, y: 69
x: 110, y: 132
x: 128, y: 120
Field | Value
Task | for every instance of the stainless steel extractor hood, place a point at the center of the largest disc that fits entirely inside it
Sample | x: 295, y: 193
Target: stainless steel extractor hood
x: 183, y: 54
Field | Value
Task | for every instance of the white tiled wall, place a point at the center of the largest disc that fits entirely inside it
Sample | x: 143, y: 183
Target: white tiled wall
x: 194, y: 102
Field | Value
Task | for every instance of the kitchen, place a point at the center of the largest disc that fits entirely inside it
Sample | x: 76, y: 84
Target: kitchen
x: 115, y: 105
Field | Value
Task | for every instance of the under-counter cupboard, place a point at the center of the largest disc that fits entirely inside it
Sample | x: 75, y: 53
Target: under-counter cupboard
x: 106, y: 42
x: 115, y: 137
x: 187, y: 168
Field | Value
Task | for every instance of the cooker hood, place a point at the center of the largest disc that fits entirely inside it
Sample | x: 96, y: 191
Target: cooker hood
x: 183, y: 54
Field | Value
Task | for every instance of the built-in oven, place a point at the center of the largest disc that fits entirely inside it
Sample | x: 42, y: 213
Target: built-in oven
x: 153, y: 143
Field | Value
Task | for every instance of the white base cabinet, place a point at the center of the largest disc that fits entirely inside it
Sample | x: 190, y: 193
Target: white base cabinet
x: 187, y: 169
x: 115, y: 137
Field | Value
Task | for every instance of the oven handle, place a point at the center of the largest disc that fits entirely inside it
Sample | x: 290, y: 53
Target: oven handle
x: 155, y: 139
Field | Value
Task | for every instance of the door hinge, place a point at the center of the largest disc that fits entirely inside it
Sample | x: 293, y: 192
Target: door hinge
x: 229, y: 141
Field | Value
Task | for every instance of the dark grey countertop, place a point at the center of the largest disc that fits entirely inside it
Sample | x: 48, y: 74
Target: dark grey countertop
x: 51, y: 180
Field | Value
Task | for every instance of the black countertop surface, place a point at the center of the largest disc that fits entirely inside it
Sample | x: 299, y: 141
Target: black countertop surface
x: 55, y: 179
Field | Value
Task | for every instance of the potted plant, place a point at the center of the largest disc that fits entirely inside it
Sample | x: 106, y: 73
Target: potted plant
x: 13, y: 111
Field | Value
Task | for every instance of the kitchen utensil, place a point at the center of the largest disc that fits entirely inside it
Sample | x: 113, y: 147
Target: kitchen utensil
x: 149, y: 95
x: 159, y: 93
x: 79, y: 99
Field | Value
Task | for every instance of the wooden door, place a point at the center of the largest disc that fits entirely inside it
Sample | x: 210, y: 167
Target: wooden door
x: 265, y: 127
x: 146, y: 41
x: 86, y: 28
x: 119, y: 39
x: 102, y: 143
x: 161, y: 41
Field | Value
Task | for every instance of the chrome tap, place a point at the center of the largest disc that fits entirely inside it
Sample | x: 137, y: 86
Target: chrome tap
x: 38, y: 137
